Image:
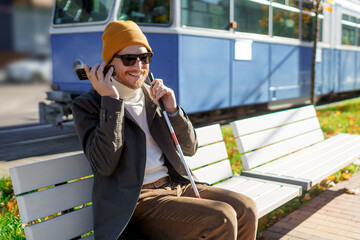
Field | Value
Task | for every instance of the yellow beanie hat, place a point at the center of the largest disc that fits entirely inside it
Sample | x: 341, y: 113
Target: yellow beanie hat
x: 119, y: 35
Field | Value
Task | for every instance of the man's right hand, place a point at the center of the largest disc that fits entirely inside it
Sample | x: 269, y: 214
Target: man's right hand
x: 101, y: 84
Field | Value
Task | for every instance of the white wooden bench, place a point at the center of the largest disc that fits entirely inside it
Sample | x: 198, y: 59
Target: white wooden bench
x: 295, y: 139
x: 65, y: 194
x: 211, y: 164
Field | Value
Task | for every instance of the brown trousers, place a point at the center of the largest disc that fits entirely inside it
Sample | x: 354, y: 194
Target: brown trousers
x: 173, y: 212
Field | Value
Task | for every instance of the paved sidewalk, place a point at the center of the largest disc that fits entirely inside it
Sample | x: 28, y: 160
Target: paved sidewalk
x: 334, y: 214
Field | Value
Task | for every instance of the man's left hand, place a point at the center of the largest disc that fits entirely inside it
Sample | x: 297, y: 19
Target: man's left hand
x: 159, y: 90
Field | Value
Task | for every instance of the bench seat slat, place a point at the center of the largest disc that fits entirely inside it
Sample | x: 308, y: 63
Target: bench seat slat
x: 273, y: 135
x: 275, y: 199
x: 231, y: 182
x: 334, y: 164
x: 267, y: 195
x: 42, y: 174
x: 333, y: 154
x: 66, y: 226
x: 47, y: 202
x: 247, y: 186
x: 300, y: 158
x: 259, y: 123
x: 263, y: 155
x: 207, y: 154
x: 314, y: 166
x: 261, y: 189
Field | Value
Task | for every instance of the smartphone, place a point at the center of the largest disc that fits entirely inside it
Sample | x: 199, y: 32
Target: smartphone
x: 82, y: 74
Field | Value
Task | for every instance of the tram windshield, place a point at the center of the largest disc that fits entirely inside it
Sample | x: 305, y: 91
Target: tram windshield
x: 81, y: 11
x: 145, y: 11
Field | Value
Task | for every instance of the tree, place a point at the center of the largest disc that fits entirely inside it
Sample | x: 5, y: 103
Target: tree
x: 317, y: 7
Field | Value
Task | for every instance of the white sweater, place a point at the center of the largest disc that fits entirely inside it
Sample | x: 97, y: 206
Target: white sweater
x: 134, y: 101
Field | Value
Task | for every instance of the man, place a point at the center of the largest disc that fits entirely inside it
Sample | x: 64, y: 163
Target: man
x: 139, y: 180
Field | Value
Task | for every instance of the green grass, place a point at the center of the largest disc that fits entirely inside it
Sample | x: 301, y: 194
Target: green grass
x: 10, y: 222
x: 343, y: 118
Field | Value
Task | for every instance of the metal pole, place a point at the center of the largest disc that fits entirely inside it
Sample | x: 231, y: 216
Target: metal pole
x: 151, y: 78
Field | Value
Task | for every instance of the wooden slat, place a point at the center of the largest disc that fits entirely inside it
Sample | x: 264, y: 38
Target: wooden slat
x: 268, y: 195
x: 207, y: 154
x: 208, y: 134
x: 41, y: 174
x: 314, y: 166
x: 263, y: 155
x: 339, y: 160
x: 293, y: 161
x: 47, y: 202
x: 323, y: 156
x: 247, y: 186
x: 275, y: 199
x: 66, y: 226
x: 231, y: 182
x: 260, y: 139
x: 259, y: 123
x: 260, y: 188
x: 214, y: 173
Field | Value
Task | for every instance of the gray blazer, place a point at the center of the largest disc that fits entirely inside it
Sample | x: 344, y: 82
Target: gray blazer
x: 116, y: 149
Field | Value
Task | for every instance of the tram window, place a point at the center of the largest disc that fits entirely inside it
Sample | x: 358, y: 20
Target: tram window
x: 308, y: 22
x: 252, y: 17
x: 205, y: 13
x: 79, y: 11
x: 286, y: 18
x: 145, y: 11
x: 348, y: 30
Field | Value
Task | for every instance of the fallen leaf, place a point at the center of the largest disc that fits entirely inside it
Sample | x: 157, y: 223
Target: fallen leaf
x: 11, y: 205
x: 307, y: 197
x: 346, y: 176
x: 354, y: 191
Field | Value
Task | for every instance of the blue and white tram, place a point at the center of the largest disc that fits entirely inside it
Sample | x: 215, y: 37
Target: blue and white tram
x: 217, y: 54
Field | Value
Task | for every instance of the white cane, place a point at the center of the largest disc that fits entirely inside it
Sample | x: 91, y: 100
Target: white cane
x: 151, y: 78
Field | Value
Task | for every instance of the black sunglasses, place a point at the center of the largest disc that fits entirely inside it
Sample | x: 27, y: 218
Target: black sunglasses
x: 130, y: 59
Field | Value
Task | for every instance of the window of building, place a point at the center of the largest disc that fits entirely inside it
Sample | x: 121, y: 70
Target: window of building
x: 145, y: 11
x: 205, y: 13
x: 349, y: 27
x: 80, y: 11
x: 252, y: 16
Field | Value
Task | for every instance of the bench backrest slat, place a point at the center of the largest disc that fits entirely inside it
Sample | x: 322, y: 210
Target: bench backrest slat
x: 260, y: 139
x: 207, y: 155
x: 271, y: 120
x: 53, y: 200
x: 208, y: 134
x: 264, y: 138
x: 61, y: 193
x: 42, y: 174
x: 210, y: 161
x: 66, y: 226
x: 266, y: 154
x: 214, y: 173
